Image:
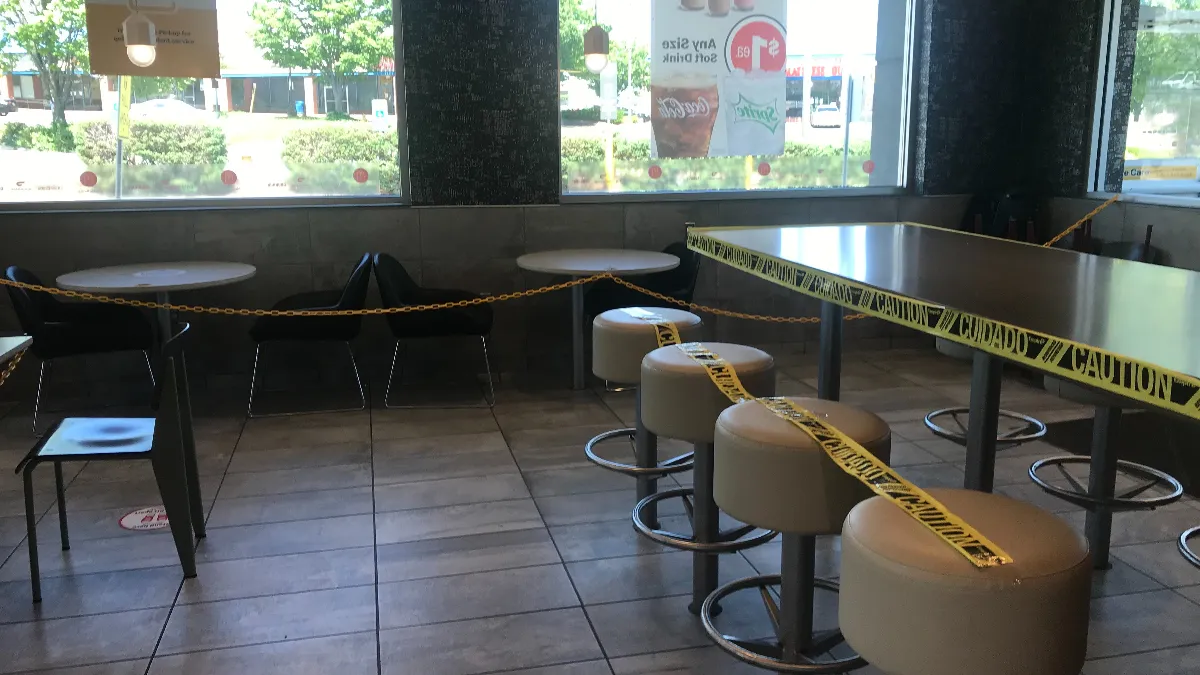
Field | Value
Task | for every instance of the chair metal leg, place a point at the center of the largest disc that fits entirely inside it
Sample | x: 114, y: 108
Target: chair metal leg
x: 188, y: 436
x: 646, y: 455
x: 37, y: 401
x: 487, y: 366
x: 387, y: 392
x: 62, y: 507
x: 31, y: 534
x: 253, y: 377
x: 362, y: 393
x: 149, y: 367
x: 706, y: 527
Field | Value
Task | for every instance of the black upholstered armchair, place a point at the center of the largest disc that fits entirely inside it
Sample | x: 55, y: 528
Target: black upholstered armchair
x: 342, y: 329
x: 679, y: 283
x: 61, y: 329
x: 397, y: 289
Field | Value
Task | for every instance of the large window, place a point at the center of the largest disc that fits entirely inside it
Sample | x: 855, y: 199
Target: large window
x: 735, y: 95
x: 306, y: 106
x: 1149, y: 115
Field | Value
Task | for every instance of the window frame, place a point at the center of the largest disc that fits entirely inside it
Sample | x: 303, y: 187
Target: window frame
x: 240, y: 203
x: 907, y: 156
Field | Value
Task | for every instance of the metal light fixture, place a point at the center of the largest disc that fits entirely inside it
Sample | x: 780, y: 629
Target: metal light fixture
x: 595, y: 49
x: 140, y: 35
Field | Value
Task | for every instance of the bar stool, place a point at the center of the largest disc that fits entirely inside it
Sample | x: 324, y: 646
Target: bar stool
x: 1185, y: 547
x: 680, y: 401
x: 771, y: 473
x: 1027, y: 428
x: 1100, y: 498
x: 620, y: 340
x: 912, y: 605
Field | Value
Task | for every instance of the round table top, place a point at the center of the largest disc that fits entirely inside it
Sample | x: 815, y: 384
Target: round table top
x: 589, y: 261
x: 156, y: 277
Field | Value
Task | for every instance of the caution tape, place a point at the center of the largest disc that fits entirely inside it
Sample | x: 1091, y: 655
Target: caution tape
x: 666, y: 331
x: 858, y: 462
x: 1073, y: 361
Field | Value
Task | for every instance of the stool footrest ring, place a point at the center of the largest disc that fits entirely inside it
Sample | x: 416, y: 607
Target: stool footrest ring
x: 1031, y: 429
x: 678, y: 464
x: 1078, y: 495
x: 730, y: 541
x: 768, y: 653
x: 1186, y: 549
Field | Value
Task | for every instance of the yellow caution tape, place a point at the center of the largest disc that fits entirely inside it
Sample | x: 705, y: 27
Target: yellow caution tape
x: 667, y: 332
x: 1073, y: 361
x: 859, y: 463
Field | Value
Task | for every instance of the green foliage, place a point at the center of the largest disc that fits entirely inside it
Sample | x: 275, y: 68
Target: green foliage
x: 336, y: 116
x: 624, y: 55
x: 582, y: 150
x: 584, y: 115
x: 1160, y: 55
x: 573, y: 22
x: 150, y: 88
x: 54, y: 35
x: 55, y: 138
x: 345, y: 145
x: 154, y: 144
x: 627, y: 149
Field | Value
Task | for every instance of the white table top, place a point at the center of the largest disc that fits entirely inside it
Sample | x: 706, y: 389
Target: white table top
x: 156, y: 277
x: 586, y: 262
x: 9, y: 346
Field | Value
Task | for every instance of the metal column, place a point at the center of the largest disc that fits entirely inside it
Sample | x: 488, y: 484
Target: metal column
x: 646, y: 457
x: 829, y: 369
x: 706, y: 526
x: 1102, y: 484
x: 986, y: 374
x: 797, y: 587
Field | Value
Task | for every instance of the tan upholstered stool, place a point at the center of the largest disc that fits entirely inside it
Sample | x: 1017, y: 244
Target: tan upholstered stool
x: 770, y: 473
x: 1021, y: 428
x: 680, y: 401
x: 620, y: 340
x: 912, y: 605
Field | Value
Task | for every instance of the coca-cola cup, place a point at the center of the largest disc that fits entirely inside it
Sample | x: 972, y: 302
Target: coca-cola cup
x: 718, y: 7
x: 743, y: 5
x: 691, y: 5
x: 684, y: 110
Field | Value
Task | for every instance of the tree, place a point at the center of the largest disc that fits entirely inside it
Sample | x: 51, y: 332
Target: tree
x: 573, y: 22
x: 148, y: 88
x: 335, y: 37
x: 1159, y: 55
x: 624, y: 55
x: 53, y: 33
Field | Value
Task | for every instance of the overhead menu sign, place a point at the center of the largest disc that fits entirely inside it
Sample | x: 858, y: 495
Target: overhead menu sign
x: 185, y: 32
x: 717, y: 77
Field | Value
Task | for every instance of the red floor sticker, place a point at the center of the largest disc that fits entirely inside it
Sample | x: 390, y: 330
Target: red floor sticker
x: 361, y: 175
x: 764, y: 169
x: 228, y: 177
x: 150, y: 518
x: 87, y: 179
x: 869, y: 166
x: 656, y: 172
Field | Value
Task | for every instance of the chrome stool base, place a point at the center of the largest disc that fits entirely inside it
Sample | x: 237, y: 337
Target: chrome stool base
x: 678, y: 464
x: 1126, y: 501
x: 796, y: 645
x: 727, y: 541
x: 1186, y: 549
x: 1030, y: 430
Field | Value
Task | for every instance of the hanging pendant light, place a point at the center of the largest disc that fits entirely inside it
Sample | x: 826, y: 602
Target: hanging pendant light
x: 141, y: 41
x: 595, y: 49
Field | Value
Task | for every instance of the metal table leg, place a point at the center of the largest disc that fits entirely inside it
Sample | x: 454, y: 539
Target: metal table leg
x: 706, y: 527
x: 829, y: 369
x: 986, y: 374
x: 577, y: 380
x: 797, y: 587
x: 646, y: 454
x: 164, y: 316
x: 1102, y: 484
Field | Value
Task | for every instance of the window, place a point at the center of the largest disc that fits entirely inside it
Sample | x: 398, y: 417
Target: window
x: 284, y: 120
x: 1149, y: 116
x: 735, y: 95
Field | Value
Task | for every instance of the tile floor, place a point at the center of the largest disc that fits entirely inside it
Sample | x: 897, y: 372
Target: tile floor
x: 457, y: 542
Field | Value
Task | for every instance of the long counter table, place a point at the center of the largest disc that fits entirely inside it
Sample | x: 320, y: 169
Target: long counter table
x: 1124, y: 327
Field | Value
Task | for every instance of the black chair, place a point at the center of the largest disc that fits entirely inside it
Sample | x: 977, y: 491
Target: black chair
x: 397, y: 289
x: 679, y: 283
x: 342, y: 329
x: 165, y: 439
x: 62, y: 329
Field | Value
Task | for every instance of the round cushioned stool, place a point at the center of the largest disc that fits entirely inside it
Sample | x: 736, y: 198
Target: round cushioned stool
x: 680, y: 401
x: 912, y: 605
x: 620, y: 341
x: 1026, y: 428
x: 772, y: 474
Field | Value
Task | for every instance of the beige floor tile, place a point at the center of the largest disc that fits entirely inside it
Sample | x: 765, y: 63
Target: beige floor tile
x: 697, y: 661
x: 294, y: 616
x: 664, y: 624
x: 254, y: 577
x: 93, y: 556
x: 392, y: 424
x: 1124, y: 624
x: 609, y: 539
x: 487, y: 645
x: 80, y: 641
x: 598, y: 507
x: 464, y: 555
x: 1180, y: 661
x: 456, y: 521
x: 575, y: 481
x: 278, y: 508
x: 253, y: 458
x: 117, y: 668
x: 295, y: 480
x: 302, y: 536
x: 84, y: 594
x: 343, y: 654
x: 393, y: 469
x: 645, y: 576
x: 472, y: 596
x: 455, y: 491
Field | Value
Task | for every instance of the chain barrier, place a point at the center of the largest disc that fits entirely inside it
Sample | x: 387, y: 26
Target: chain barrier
x: 378, y: 311
x: 12, y: 365
x: 1082, y: 220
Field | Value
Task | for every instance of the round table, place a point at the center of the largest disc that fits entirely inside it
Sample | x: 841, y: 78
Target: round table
x: 585, y: 263
x: 157, y: 278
